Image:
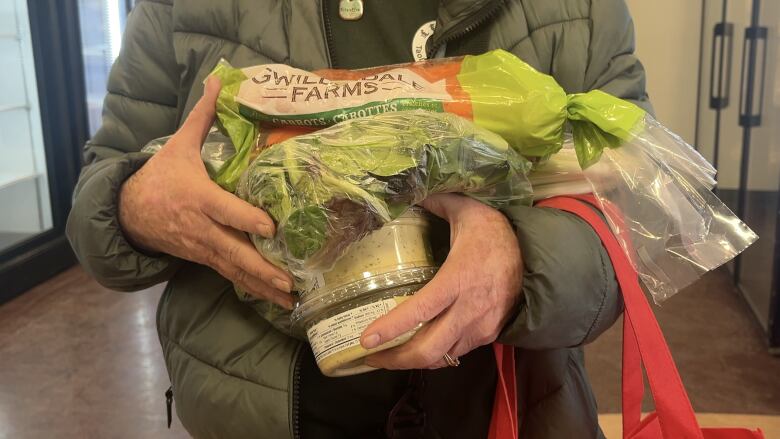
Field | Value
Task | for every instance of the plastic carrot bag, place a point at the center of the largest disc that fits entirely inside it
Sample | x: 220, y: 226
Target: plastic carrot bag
x: 265, y: 104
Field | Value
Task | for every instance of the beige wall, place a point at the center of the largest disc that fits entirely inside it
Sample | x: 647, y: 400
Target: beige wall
x: 667, y: 38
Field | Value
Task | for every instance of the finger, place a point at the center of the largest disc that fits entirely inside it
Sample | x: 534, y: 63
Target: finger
x: 258, y: 289
x: 442, y: 205
x: 426, y: 304
x: 451, y: 206
x: 229, y: 210
x: 463, y: 347
x: 234, y: 248
x: 199, y: 121
x: 424, y: 351
x: 465, y: 344
x: 452, y: 332
x: 254, y: 286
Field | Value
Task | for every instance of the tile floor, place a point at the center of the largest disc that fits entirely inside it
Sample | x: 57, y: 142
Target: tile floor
x: 79, y: 361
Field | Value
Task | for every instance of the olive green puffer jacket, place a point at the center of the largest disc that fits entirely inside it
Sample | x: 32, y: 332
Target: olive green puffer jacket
x: 233, y: 375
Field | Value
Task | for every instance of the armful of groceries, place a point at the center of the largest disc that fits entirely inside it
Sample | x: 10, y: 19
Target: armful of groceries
x: 341, y: 160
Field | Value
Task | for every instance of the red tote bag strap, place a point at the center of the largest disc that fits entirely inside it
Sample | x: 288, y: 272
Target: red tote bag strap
x: 643, y: 340
x: 643, y: 343
x: 503, y: 423
x: 633, y: 386
x: 632, y: 381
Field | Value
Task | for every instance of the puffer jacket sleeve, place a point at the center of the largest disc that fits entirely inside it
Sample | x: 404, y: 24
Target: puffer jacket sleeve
x: 141, y: 105
x: 612, y: 65
x: 570, y: 294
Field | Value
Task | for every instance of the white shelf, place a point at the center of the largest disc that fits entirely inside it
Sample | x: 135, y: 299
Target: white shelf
x: 8, y: 179
x: 4, y: 108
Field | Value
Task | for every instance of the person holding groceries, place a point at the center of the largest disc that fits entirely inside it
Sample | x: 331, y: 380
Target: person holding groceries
x: 536, y: 279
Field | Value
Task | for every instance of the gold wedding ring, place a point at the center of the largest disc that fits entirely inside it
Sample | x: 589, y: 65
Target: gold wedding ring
x: 452, y: 362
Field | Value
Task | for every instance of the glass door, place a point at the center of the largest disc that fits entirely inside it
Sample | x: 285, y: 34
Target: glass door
x: 23, y: 178
x: 42, y: 127
x: 718, y: 137
x: 738, y: 130
x: 759, y: 120
x: 101, y: 40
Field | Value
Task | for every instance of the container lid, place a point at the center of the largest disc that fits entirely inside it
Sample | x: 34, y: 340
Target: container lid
x: 396, y: 279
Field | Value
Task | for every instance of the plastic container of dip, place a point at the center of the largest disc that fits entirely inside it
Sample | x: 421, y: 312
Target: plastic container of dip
x: 375, y: 275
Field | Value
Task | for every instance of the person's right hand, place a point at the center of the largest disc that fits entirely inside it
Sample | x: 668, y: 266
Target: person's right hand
x: 171, y: 206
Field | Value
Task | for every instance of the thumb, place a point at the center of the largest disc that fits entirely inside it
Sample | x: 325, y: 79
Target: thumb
x: 445, y: 206
x: 227, y: 209
x: 201, y: 118
x: 430, y: 301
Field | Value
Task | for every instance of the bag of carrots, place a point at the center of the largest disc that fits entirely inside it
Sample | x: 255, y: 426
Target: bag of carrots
x: 266, y: 104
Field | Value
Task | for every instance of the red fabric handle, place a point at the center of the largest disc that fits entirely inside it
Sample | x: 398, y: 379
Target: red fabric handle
x: 643, y: 342
x: 676, y: 417
x: 503, y: 423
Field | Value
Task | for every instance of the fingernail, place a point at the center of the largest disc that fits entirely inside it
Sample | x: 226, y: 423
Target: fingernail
x: 281, y: 284
x: 266, y: 230
x: 370, y: 341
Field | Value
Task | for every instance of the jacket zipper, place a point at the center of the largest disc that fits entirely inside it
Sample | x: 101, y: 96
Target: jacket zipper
x: 467, y: 26
x: 296, y: 394
x: 479, y: 18
x: 326, y: 25
x: 169, y: 405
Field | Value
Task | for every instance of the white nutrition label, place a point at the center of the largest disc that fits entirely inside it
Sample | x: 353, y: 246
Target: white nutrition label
x: 343, y: 330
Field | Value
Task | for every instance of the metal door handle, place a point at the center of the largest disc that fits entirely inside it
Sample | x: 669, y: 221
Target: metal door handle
x: 746, y: 117
x: 722, y: 31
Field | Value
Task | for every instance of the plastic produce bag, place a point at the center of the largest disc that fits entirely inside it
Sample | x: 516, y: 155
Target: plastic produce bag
x: 216, y: 150
x: 560, y: 175
x: 328, y: 189
x: 655, y: 191
x: 654, y: 188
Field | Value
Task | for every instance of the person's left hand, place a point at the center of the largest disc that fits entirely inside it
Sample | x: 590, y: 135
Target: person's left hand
x: 469, y: 300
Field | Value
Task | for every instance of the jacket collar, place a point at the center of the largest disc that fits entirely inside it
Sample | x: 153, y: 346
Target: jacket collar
x: 457, y: 16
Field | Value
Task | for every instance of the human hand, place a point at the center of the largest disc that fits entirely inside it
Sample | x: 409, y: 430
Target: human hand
x: 171, y: 206
x: 469, y: 300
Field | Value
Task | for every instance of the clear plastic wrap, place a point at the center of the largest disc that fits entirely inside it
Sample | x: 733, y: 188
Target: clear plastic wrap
x: 560, y: 175
x: 328, y: 189
x: 217, y: 149
x: 655, y: 191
